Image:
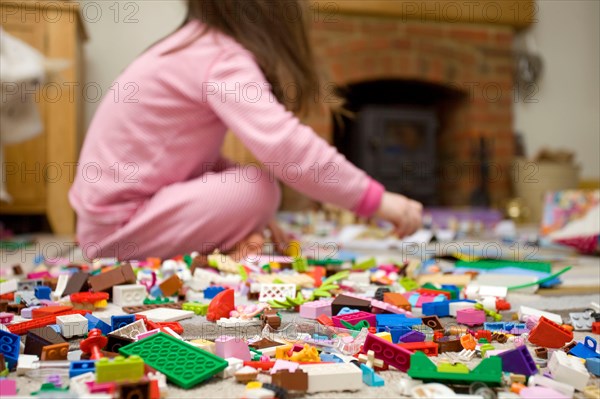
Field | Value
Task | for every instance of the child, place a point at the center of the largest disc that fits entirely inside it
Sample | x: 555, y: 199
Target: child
x: 151, y: 181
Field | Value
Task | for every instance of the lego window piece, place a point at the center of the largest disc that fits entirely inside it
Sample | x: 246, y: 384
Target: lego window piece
x: 182, y: 363
x: 277, y: 292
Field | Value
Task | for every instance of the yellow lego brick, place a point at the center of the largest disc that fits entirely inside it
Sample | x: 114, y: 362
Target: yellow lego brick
x: 119, y: 369
x: 385, y: 335
x: 457, y: 368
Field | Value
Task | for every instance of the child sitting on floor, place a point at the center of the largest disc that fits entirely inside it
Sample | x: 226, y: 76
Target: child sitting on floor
x: 151, y: 180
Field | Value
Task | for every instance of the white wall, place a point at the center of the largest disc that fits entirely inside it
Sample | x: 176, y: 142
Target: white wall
x: 567, y: 114
x: 118, y: 32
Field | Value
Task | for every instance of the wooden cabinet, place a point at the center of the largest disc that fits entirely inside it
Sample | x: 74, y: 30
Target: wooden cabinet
x: 40, y: 171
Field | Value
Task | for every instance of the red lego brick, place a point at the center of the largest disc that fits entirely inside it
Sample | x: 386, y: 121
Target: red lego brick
x: 49, y: 311
x: 596, y: 327
x: 426, y: 291
x: 390, y: 353
x: 173, y: 325
x: 24, y: 327
x: 428, y: 348
x: 483, y: 334
x: 89, y: 297
x: 549, y: 334
x: 325, y: 320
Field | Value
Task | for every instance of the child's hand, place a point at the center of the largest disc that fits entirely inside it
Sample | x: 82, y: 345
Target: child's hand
x: 403, y: 212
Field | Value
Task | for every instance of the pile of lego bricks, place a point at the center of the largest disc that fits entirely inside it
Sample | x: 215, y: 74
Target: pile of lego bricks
x: 353, y: 320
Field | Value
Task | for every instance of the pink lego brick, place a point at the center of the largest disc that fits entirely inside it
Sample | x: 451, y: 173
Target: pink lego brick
x: 226, y: 346
x: 390, y: 353
x: 147, y: 333
x: 101, y: 387
x: 284, y: 365
x: 6, y: 318
x: 354, y: 318
x: 541, y: 393
x: 8, y: 387
x: 470, y: 317
x: 312, y: 310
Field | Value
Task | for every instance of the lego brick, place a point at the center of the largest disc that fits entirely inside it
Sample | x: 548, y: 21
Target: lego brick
x: 232, y: 347
x: 470, y: 317
x: 72, y: 325
x: 200, y: 309
x: 432, y: 322
x: 212, y: 291
x: 525, y: 311
x: 55, y: 352
x: 78, y: 282
x: 116, y: 342
x: 8, y: 387
x: 412, y: 336
x: 10, y: 344
x: 221, y: 305
x: 129, y: 295
x: 120, y: 321
x: 94, y: 322
x: 42, y: 292
x: 390, y: 353
x: 312, y: 310
x: 278, y: 292
x: 8, y: 286
x: 582, y: 321
x: 488, y: 371
x: 351, y: 302
x: 569, y: 370
x: 540, y: 392
x: 332, y: 377
x: 50, y: 310
x: 449, y: 344
x: 549, y: 334
x: 80, y: 367
x: 397, y: 299
x: 61, y: 285
x: 38, y: 338
x: 182, y: 363
x: 383, y: 307
x: 395, y: 320
x: 428, y: 348
x: 119, y: 369
x: 6, y: 318
x: 27, y: 363
x: 296, y: 380
x: 586, y: 350
x: 23, y: 327
x: 105, y: 281
x: 171, y: 286
x: 166, y: 314
x: 593, y: 366
x: 354, y: 318
x: 518, y: 361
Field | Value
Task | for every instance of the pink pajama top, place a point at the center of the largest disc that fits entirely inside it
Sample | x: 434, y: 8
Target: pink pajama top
x: 166, y: 119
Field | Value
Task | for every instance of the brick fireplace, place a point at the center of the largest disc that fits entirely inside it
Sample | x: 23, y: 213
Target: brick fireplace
x: 474, y: 60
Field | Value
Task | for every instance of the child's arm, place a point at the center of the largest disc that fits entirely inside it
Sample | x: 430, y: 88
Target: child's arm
x: 239, y: 94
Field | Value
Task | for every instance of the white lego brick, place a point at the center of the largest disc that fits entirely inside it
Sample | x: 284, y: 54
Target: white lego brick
x: 78, y: 386
x: 61, y: 284
x: 194, y: 296
x: 495, y: 291
x: 128, y: 295
x: 566, y: 389
x: 360, y: 277
x: 8, y: 286
x: 525, y: 311
x: 166, y: 314
x: 234, y: 365
x: 277, y: 292
x: 456, y: 306
x: 131, y: 330
x: 466, y: 355
x: 72, y: 325
x: 201, y: 280
x: 27, y: 363
x: 237, y: 322
x: 568, y: 369
x: 332, y: 377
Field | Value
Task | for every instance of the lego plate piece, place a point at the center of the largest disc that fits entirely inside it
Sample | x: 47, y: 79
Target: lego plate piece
x: 166, y: 314
x: 182, y: 363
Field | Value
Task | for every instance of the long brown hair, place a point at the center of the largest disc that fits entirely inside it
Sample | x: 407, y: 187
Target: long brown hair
x: 275, y: 31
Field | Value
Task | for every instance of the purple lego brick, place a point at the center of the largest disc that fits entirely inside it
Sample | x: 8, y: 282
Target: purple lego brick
x: 518, y: 361
x: 413, y: 336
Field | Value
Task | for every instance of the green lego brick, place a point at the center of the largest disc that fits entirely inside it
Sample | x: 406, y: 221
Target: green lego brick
x: 492, y: 264
x: 365, y: 265
x: 458, y: 368
x: 119, y: 369
x: 488, y: 371
x: 183, y: 364
x: 196, y: 307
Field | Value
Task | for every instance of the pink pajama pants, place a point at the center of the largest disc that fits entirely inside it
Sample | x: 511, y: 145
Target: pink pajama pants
x: 215, y: 210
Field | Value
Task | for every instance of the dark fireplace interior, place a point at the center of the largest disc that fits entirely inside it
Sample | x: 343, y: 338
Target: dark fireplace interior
x: 393, y: 133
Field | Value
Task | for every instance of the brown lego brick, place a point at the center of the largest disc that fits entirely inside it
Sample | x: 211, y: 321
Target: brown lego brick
x: 542, y: 353
x: 345, y: 301
x: 433, y: 322
x: 2, y: 363
x: 135, y: 390
x: 55, y: 352
x: 3, y: 305
x: 78, y: 282
x: 13, y: 307
x: 115, y: 342
x: 296, y: 381
x: 264, y: 343
x: 38, y: 338
x: 17, y: 270
x: 105, y: 281
x: 449, y: 344
x: 200, y: 261
x: 271, y: 318
x: 397, y: 299
x: 51, y: 282
x: 171, y: 286
x: 141, y: 308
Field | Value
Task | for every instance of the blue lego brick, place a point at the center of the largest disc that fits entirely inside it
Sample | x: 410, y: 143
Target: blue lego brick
x: 156, y: 292
x: 440, y: 309
x: 55, y: 327
x: 211, y: 292
x: 391, y: 320
x: 121, y: 321
x: 587, y: 349
x: 330, y: 357
x: 9, y: 344
x: 495, y: 326
x: 397, y: 331
x: 42, y: 292
x: 11, y: 362
x: 346, y: 310
x: 94, y: 322
x: 593, y: 366
x: 79, y: 367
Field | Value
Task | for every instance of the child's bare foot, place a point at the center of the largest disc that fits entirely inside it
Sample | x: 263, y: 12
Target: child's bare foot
x: 251, y: 245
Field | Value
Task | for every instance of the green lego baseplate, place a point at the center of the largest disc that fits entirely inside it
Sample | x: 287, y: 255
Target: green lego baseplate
x: 488, y: 371
x: 183, y: 364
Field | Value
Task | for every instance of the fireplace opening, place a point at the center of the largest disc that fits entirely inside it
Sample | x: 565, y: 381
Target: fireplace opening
x: 393, y: 133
